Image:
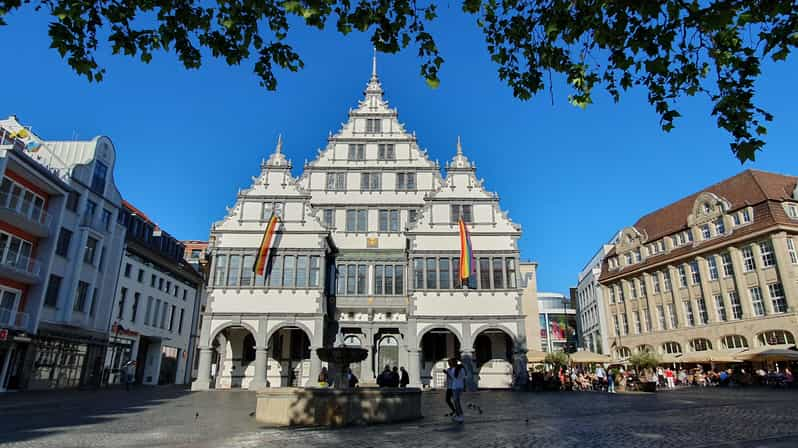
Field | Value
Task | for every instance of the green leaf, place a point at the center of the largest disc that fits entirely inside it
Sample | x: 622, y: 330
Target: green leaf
x: 433, y: 83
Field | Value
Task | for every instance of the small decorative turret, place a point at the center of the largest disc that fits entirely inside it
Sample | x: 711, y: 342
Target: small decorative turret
x: 459, y: 161
x: 374, y: 88
x: 277, y: 159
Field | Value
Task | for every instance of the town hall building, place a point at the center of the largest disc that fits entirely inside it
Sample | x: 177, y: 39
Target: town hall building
x: 366, y: 253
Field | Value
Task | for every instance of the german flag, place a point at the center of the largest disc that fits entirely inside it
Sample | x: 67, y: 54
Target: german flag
x: 263, y: 253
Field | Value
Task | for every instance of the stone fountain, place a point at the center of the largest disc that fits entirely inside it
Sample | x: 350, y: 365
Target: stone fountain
x: 339, y: 405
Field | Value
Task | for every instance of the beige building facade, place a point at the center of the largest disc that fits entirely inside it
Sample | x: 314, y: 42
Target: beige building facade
x: 716, y: 270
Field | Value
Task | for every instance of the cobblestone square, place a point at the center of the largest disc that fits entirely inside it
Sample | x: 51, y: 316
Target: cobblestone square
x: 173, y: 417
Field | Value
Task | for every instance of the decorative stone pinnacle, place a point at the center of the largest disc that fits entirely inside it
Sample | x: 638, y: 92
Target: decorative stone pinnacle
x: 374, y: 64
x: 279, y: 148
x: 459, y: 147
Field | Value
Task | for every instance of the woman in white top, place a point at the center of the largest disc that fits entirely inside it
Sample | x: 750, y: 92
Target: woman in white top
x: 456, y: 380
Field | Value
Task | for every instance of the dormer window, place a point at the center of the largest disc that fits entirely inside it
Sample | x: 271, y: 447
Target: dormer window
x: 707, y: 207
x: 628, y: 258
x: 792, y: 210
x: 746, y: 215
x: 638, y: 256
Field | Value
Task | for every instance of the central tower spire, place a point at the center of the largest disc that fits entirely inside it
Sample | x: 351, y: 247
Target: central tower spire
x: 374, y: 64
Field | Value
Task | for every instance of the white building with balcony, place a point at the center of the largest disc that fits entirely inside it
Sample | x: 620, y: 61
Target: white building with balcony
x: 70, y: 295
x: 368, y: 248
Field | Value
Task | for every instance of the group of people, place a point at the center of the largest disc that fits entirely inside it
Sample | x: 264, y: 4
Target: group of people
x: 393, y: 377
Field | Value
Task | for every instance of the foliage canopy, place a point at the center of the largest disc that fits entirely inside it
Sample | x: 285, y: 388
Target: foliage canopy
x: 671, y: 48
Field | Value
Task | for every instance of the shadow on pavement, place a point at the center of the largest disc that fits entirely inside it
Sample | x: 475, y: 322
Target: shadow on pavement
x: 31, y: 415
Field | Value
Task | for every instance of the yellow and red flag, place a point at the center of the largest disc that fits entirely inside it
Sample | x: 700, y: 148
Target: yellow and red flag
x: 265, y: 246
x: 467, y: 267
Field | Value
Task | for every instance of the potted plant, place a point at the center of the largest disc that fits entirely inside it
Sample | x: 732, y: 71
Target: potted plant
x: 557, y: 360
x: 645, y: 364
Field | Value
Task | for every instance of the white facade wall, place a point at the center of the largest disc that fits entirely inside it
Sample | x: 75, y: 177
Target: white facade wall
x: 590, y: 305
x: 163, y: 326
x: 367, y: 232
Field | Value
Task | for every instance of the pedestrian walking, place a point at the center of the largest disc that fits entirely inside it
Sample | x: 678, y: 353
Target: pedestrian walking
x: 405, y: 378
x: 456, y: 374
x: 611, y: 383
x: 130, y: 373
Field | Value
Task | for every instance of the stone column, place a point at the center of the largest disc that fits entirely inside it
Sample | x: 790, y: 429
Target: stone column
x: 315, y: 367
x: 259, y: 380
x: 467, y: 356
x: 203, y: 381
x: 414, y: 367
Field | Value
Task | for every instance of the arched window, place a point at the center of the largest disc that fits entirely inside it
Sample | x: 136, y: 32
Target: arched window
x: 624, y: 352
x: 733, y: 341
x: 671, y: 348
x: 775, y: 337
x: 644, y: 348
x: 700, y: 345
x: 352, y: 341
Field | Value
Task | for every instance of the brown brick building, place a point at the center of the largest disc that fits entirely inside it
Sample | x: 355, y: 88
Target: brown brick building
x: 714, y: 271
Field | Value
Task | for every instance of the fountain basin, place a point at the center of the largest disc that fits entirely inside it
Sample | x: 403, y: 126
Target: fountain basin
x: 337, y: 407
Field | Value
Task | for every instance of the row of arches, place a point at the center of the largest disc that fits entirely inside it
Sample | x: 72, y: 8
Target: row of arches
x: 490, y: 358
x: 726, y: 342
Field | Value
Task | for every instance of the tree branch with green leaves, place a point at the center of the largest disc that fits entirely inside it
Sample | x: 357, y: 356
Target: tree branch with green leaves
x: 671, y: 48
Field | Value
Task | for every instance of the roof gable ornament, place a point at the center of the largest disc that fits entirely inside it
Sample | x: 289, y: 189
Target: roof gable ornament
x: 459, y: 161
x: 707, y: 207
x: 278, y: 159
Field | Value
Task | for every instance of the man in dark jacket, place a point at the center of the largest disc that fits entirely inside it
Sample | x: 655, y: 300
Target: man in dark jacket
x: 405, y: 380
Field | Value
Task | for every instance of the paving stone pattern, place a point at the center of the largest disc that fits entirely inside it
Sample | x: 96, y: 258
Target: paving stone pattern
x: 173, y: 417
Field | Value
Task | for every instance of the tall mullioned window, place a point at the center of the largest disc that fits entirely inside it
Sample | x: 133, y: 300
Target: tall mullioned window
x: 357, y: 151
x: 776, y: 292
x: 748, y: 259
x: 457, y: 211
x: 386, y: 151
x: 405, y: 181
x: 713, y: 267
x: 688, y: 314
x: 373, y: 125
x: 737, y: 306
x: 720, y: 308
x: 357, y: 220
x: 336, y: 181
x: 757, y: 304
x: 370, y: 181
x: 768, y: 258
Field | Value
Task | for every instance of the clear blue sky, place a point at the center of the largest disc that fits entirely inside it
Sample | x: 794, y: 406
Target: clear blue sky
x: 188, y: 140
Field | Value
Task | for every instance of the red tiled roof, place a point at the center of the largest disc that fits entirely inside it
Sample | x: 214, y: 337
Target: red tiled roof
x: 135, y: 210
x: 747, y: 188
x: 762, y: 190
